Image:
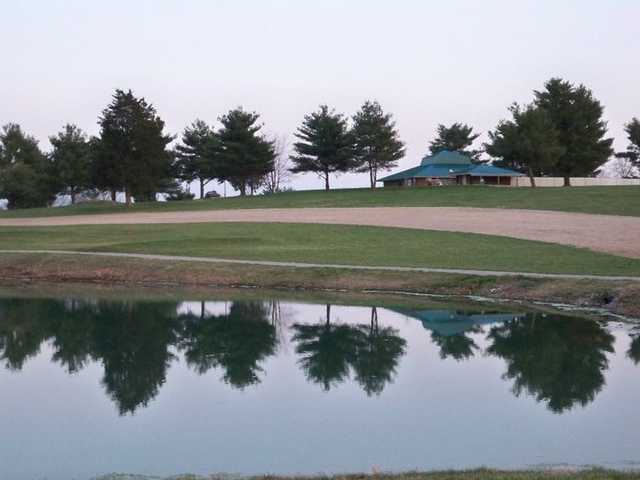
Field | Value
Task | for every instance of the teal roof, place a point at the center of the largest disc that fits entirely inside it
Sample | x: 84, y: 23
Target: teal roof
x: 451, y: 322
x: 448, y: 164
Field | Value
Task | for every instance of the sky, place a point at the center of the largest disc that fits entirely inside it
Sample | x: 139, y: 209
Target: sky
x: 426, y: 62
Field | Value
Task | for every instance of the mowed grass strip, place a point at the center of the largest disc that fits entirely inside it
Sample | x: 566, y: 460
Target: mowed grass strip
x: 601, y: 200
x: 328, y: 244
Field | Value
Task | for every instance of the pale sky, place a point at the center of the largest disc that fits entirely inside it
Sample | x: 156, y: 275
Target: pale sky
x: 426, y: 62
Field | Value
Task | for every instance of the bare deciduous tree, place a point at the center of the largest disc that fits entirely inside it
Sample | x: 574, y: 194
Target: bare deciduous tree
x: 623, y: 167
x: 280, y: 175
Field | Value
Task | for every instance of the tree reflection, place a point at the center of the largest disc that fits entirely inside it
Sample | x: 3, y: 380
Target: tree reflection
x: 330, y: 350
x: 558, y: 360
x: 236, y: 342
x: 634, y: 348
x: 458, y: 345
x: 378, y: 352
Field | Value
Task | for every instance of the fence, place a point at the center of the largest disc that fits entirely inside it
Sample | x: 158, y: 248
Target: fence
x: 575, y: 182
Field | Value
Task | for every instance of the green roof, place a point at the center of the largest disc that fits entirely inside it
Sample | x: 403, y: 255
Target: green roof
x: 448, y: 164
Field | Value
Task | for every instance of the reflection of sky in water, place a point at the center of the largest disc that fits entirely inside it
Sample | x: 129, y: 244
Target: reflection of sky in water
x: 438, y: 410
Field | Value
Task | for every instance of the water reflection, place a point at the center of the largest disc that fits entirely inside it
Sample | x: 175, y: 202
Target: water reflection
x: 558, y: 360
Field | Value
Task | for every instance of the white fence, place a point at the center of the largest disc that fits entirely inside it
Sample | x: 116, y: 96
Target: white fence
x: 575, y: 182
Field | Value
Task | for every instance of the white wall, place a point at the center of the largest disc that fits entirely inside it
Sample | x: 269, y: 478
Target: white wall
x: 575, y: 182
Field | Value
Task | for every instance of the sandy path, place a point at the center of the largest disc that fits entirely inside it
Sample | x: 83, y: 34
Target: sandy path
x: 604, y: 233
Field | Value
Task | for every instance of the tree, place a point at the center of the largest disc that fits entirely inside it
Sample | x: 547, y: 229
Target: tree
x: 623, y: 166
x: 199, y: 155
x: 325, y: 146
x: 25, y: 172
x: 246, y: 156
x: 577, y: 116
x: 377, y: 145
x: 558, y: 360
x: 71, y: 161
x: 529, y: 142
x: 279, y: 175
x: 456, y: 138
x: 131, y: 153
x: 632, y: 154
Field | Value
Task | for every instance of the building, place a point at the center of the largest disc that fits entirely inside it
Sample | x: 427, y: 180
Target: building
x: 451, y: 168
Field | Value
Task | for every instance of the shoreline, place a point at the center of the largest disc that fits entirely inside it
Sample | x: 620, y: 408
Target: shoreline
x: 613, y: 297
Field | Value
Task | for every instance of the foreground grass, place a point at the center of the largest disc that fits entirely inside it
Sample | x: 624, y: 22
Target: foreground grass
x: 326, y: 244
x: 43, y: 273
x: 603, y: 200
x: 480, y: 474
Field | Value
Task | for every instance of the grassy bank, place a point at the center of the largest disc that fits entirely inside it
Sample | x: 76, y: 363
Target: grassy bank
x: 480, y: 474
x: 617, y: 297
x: 602, y: 200
x: 327, y: 244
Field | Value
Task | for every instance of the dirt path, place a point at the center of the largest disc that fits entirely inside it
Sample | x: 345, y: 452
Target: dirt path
x: 604, y: 233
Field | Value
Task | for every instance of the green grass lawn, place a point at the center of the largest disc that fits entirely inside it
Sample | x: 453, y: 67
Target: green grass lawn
x: 351, y: 245
x: 605, y: 200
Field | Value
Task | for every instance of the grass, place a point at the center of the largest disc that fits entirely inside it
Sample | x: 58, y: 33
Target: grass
x: 623, y: 200
x: 326, y: 244
x: 479, y: 474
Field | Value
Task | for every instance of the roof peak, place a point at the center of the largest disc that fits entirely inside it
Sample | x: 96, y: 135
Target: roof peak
x: 446, y: 157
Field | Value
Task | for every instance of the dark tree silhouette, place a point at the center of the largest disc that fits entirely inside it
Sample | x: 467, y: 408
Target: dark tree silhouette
x: 558, y: 360
x: 378, y: 352
x: 327, y: 350
x: 237, y: 342
x: 458, y: 346
x: 634, y: 349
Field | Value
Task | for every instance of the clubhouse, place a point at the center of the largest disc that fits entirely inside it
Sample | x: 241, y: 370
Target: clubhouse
x: 451, y: 168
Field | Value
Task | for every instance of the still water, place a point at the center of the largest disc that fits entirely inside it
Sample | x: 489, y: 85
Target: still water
x: 259, y: 385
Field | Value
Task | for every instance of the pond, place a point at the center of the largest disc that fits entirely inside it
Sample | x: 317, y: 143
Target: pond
x: 256, y: 383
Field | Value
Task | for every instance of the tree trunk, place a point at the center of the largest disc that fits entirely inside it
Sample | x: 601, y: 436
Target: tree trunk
x: 372, y: 176
x: 73, y: 197
x: 114, y: 196
x: 326, y: 180
x: 201, y: 189
x: 532, y: 178
x: 127, y: 197
x: 243, y: 189
x: 328, y: 315
x: 567, y: 181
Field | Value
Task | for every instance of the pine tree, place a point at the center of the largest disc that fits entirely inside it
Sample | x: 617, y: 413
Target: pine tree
x: 199, y: 155
x: 71, y: 161
x: 25, y: 172
x: 456, y: 138
x: 131, y: 153
x: 325, y: 146
x: 377, y: 145
x: 632, y: 130
x: 577, y: 116
x: 246, y: 156
x: 529, y: 142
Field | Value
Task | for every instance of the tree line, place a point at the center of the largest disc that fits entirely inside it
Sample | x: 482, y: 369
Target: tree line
x: 561, y: 133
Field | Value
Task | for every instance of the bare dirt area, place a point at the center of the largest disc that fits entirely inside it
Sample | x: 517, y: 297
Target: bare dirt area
x: 617, y: 235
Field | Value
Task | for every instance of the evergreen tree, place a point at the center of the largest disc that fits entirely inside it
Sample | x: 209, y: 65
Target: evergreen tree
x: 131, y: 153
x: 199, y: 155
x: 456, y: 138
x: 245, y: 155
x: 529, y: 142
x: 71, y: 161
x: 633, y: 149
x: 577, y: 116
x: 325, y: 146
x: 377, y: 145
x: 25, y: 172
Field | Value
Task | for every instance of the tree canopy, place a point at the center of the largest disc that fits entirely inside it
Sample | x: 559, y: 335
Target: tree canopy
x: 246, y: 155
x: 325, y: 145
x: 577, y: 116
x: 377, y: 144
x: 456, y: 138
x: 131, y: 153
x: 25, y: 172
x: 529, y: 142
x: 198, y: 155
x: 71, y: 161
x: 632, y: 129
